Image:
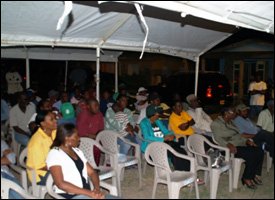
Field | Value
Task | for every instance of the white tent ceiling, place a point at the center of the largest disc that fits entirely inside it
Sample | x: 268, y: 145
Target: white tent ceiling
x: 258, y: 15
x: 34, y: 23
x: 92, y: 25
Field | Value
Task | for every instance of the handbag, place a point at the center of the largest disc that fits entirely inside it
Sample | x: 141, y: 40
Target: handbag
x: 216, y: 158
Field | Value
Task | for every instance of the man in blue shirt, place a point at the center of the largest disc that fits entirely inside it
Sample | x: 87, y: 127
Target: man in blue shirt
x: 250, y: 130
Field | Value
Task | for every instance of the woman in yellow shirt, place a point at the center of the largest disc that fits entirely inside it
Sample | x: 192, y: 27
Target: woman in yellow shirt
x: 180, y: 122
x: 39, y: 145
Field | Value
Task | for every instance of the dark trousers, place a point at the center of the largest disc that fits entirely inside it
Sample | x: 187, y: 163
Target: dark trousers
x: 97, y: 154
x: 253, y: 160
x: 178, y: 163
x: 265, y: 137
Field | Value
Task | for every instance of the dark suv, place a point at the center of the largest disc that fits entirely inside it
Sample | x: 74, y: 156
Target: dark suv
x: 213, y: 88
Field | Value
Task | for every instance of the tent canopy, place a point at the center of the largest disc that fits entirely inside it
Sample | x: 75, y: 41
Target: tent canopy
x: 258, y: 15
x: 34, y: 23
x: 116, y: 26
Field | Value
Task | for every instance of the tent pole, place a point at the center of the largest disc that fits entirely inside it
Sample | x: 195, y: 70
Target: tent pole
x: 66, y: 73
x: 116, y: 76
x: 97, y: 72
x: 197, y: 74
x: 27, y: 70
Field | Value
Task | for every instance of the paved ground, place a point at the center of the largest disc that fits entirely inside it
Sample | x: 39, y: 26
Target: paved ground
x: 130, y: 188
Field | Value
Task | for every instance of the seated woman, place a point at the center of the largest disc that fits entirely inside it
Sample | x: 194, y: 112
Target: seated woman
x: 70, y: 169
x: 180, y: 121
x: 39, y: 145
x: 228, y: 135
x: 182, y: 124
x: 153, y: 130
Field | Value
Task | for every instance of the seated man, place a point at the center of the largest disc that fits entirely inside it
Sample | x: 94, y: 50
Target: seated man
x: 142, y: 99
x: 20, y: 115
x: 111, y: 123
x: 7, y: 158
x: 250, y: 130
x: 154, y: 99
x: 228, y: 135
x: 266, y: 117
x: 89, y: 123
x: 202, y: 120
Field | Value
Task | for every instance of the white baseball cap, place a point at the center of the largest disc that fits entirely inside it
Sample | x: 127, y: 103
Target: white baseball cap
x: 142, y: 89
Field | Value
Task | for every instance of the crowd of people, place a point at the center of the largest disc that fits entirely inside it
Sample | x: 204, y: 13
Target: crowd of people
x: 50, y: 129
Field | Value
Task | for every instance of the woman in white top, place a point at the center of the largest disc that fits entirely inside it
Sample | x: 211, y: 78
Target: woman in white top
x: 69, y: 168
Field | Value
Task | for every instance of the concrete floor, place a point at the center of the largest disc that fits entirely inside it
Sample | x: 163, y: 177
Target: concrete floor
x: 130, y: 188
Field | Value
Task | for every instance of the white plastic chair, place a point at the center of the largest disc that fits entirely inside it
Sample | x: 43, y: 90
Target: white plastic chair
x: 51, y: 188
x: 23, y: 175
x: 108, y: 139
x: 268, y: 161
x: 87, y: 145
x: 236, y: 167
x: 195, y: 144
x: 14, y: 144
x: 36, y: 190
x: 6, y: 185
x: 156, y: 155
x: 140, y: 136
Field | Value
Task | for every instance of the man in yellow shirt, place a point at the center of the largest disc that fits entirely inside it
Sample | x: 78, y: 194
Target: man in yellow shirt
x: 180, y: 122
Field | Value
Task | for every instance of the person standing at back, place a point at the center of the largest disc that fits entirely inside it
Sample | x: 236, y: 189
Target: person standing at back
x: 257, y: 91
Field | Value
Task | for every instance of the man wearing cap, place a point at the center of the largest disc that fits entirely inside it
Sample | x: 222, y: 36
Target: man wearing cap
x: 68, y: 114
x: 202, y: 120
x: 154, y: 99
x: 31, y: 94
x: 142, y: 99
x: 53, y: 96
x: 249, y: 130
x: 228, y: 135
x: 153, y: 130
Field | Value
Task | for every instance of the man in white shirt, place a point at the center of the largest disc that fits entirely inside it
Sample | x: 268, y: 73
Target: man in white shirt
x: 20, y: 114
x: 266, y: 117
x: 257, y: 91
x: 202, y: 120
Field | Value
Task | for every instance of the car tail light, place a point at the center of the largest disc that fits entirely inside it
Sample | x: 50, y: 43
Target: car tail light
x: 220, y: 86
x: 209, y: 92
